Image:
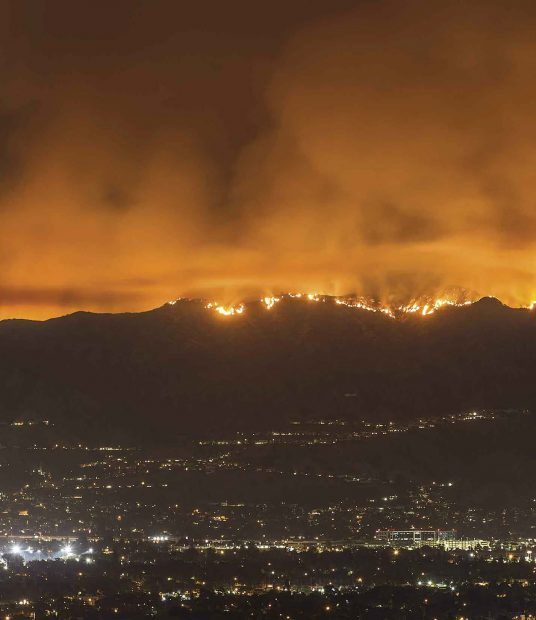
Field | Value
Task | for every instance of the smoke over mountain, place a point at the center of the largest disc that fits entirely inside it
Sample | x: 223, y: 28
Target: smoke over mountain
x: 149, y: 150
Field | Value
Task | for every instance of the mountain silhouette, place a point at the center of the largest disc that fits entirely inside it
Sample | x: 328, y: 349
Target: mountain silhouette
x: 183, y: 368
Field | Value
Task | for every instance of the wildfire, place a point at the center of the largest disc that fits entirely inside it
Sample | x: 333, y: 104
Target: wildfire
x: 414, y: 307
x: 360, y: 303
x: 270, y: 302
x: 417, y: 307
x: 226, y: 310
x: 431, y: 307
x: 411, y: 308
x: 364, y: 305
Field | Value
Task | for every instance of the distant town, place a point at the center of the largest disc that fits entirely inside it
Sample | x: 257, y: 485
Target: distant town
x: 252, y: 523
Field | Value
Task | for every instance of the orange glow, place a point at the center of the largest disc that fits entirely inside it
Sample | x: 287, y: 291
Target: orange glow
x: 430, y: 307
x: 136, y: 172
x: 365, y: 305
x: 270, y: 302
x: 226, y: 310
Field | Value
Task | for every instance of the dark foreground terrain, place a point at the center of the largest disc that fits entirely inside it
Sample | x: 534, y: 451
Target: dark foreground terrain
x: 183, y: 368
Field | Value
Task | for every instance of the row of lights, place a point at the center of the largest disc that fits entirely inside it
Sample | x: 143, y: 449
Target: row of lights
x: 65, y: 552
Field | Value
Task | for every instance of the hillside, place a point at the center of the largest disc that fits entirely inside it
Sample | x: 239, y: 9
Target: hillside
x: 182, y: 368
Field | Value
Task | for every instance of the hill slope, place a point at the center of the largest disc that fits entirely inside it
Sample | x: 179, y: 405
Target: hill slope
x: 182, y: 368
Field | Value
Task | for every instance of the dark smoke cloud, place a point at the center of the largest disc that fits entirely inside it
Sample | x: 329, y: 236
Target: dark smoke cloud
x: 155, y: 149
x: 66, y: 297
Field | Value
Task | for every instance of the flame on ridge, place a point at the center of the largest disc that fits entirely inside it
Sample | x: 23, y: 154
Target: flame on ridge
x: 363, y: 304
x: 270, y: 302
x: 226, y: 310
x: 431, y: 307
x: 414, y: 307
x: 417, y: 307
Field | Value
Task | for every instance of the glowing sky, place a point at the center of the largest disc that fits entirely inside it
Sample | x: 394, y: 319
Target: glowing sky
x: 151, y: 149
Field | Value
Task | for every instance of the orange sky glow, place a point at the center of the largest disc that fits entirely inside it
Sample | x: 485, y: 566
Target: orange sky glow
x: 224, y: 150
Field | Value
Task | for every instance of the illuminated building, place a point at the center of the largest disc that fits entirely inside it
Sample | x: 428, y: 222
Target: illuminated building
x: 415, y: 538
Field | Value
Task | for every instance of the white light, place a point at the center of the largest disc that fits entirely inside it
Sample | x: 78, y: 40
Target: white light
x: 67, y: 550
x: 15, y: 549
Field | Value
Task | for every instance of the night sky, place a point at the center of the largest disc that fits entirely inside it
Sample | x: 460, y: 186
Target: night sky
x: 151, y: 149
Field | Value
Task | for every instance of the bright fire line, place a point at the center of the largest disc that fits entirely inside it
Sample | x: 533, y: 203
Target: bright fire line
x: 361, y: 303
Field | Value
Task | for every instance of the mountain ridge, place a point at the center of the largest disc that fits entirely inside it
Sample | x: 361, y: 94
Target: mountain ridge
x: 357, y: 303
x: 183, y: 368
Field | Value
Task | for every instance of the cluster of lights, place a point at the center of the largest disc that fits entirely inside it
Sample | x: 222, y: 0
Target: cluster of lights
x: 18, y: 550
x: 65, y: 552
